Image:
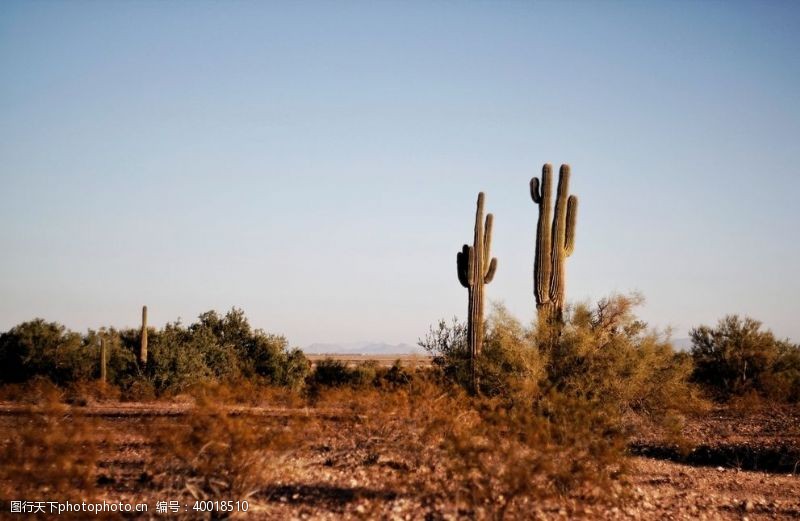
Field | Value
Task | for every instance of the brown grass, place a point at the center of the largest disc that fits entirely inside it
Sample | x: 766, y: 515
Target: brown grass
x: 422, y: 447
x: 52, y: 453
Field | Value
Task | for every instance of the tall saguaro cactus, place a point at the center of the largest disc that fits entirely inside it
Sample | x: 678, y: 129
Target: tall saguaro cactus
x: 475, y: 268
x: 143, y: 345
x: 555, y: 241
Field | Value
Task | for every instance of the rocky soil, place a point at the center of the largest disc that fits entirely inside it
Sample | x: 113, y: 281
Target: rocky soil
x: 333, y: 479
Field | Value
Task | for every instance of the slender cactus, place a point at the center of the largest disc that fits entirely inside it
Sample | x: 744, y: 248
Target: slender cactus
x: 476, y: 267
x: 143, y: 345
x: 103, y: 359
x: 555, y: 241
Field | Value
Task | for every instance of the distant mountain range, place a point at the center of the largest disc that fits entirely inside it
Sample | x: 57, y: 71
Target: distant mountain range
x: 382, y: 348
x: 363, y: 348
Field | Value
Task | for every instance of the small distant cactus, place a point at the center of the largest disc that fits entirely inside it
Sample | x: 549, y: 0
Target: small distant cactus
x: 143, y: 345
x: 103, y: 359
x: 555, y: 241
x: 475, y: 268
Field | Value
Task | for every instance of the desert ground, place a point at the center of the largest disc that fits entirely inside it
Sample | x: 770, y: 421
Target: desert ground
x: 723, y: 464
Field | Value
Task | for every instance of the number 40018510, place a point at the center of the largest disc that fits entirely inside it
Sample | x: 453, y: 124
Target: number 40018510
x: 221, y: 506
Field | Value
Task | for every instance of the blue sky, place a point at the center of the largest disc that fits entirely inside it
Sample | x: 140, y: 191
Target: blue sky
x: 317, y: 164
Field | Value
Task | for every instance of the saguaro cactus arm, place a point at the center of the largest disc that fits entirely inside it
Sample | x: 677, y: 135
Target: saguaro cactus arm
x: 572, y: 215
x: 490, y: 271
x: 464, y: 265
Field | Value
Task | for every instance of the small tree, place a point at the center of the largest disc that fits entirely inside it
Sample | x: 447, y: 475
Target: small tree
x: 39, y: 348
x: 738, y: 356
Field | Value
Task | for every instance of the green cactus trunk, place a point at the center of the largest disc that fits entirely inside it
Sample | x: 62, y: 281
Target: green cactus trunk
x: 555, y: 242
x: 475, y: 268
x: 143, y: 345
x: 103, y: 359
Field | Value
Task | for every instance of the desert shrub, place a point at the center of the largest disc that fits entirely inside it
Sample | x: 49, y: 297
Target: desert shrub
x: 216, y: 347
x: 738, y: 357
x: 177, y: 359
x: 364, y: 374
x: 121, y: 365
x: 492, y: 457
x: 447, y: 344
x: 38, y: 389
x: 139, y: 390
x: 605, y: 353
x: 502, y: 458
x: 395, y: 376
x: 330, y: 373
x: 784, y: 378
x: 223, y: 348
x: 84, y: 392
x: 52, y: 454
x: 602, y: 353
x: 510, y: 361
x: 293, y: 370
x: 39, y: 348
x: 244, y: 391
x: 335, y: 373
x: 215, y: 454
x: 399, y: 428
x: 268, y: 356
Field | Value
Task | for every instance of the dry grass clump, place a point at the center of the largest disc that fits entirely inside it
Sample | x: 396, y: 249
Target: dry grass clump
x: 37, y: 390
x: 52, y: 455
x: 398, y: 428
x: 93, y: 391
x: 502, y: 459
x: 216, y: 454
x: 246, y: 392
x: 491, y: 457
x: 139, y: 390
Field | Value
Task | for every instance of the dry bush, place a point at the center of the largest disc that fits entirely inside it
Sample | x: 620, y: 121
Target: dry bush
x: 510, y: 360
x: 217, y: 455
x: 510, y: 364
x: 606, y: 354
x: 85, y: 392
x: 491, y: 457
x: 396, y: 427
x: 503, y: 458
x: 52, y: 455
x: 246, y: 391
x: 36, y: 390
x: 139, y: 390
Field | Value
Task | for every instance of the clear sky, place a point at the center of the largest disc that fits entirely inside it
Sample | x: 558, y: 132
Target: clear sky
x: 317, y: 164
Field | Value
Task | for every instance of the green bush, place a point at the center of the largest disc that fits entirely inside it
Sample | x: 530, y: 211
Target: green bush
x: 39, y: 348
x: 396, y: 376
x: 738, y: 357
x: 335, y: 373
x: 222, y: 348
